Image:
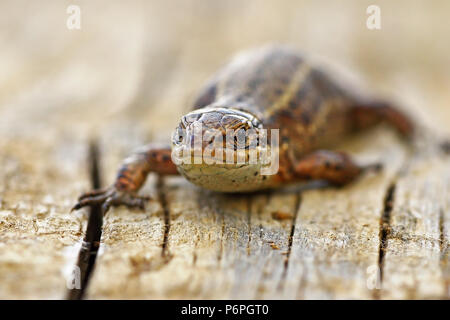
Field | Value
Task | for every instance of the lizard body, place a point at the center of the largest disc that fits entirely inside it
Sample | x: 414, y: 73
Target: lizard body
x: 267, y: 88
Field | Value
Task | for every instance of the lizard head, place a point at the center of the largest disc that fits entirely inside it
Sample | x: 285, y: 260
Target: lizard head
x: 220, y: 149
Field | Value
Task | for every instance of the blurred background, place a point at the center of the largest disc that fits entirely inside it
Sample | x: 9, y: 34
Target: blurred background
x: 146, y: 60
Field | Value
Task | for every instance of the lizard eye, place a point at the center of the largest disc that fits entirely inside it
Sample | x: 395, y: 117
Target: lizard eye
x: 179, y: 135
x: 256, y: 123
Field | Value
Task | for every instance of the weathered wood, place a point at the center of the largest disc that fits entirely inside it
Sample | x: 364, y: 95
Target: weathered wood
x: 39, y: 239
x: 415, y: 258
x: 445, y: 245
x: 126, y: 77
x: 51, y: 79
x: 210, y: 245
x: 225, y: 246
x: 336, y: 240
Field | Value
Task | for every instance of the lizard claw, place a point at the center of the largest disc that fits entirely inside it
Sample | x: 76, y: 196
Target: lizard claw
x: 92, y: 193
x: 110, y: 197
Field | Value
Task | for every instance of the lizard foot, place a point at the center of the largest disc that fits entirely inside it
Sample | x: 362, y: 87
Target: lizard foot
x: 110, y: 197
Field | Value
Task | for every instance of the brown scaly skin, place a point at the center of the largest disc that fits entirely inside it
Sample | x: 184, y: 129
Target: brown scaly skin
x: 273, y: 88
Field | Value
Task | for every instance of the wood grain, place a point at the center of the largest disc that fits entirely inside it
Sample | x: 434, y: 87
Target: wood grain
x: 127, y: 76
x: 416, y: 253
x: 39, y: 239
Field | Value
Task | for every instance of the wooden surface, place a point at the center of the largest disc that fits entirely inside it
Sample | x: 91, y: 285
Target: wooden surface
x: 127, y: 76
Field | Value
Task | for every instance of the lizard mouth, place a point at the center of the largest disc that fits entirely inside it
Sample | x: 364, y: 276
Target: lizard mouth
x: 219, y: 149
x: 218, y: 156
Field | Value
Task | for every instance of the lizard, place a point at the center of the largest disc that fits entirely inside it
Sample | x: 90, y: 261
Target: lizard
x: 273, y: 87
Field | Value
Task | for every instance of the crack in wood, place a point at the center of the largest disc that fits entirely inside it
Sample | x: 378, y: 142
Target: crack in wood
x: 445, y: 146
x: 298, y: 201
x: 444, y: 252
x: 222, y: 233
x: 385, y: 221
x: 165, y: 207
x: 443, y: 242
x: 91, y: 242
x: 249, y: 223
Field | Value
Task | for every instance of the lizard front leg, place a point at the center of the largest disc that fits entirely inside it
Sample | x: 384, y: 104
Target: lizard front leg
x: 130, y: 178
x: 337, y: 168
